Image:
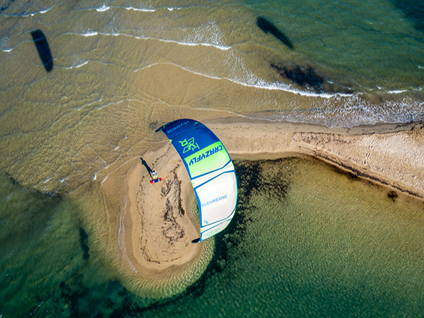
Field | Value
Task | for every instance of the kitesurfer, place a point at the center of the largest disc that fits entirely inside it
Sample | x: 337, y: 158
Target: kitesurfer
x: 154, y: 175
x: 155, y: 178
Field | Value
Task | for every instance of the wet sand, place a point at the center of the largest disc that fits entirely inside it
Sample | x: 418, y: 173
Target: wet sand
x: 159, y: 220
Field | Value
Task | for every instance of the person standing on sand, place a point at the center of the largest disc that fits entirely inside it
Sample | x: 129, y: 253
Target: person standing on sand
x: 154, y: 175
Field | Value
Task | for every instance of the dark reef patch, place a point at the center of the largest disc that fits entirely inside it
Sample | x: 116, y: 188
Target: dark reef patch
x: 72, y: 299
x: 300, y: 76
x: 308, y: 78
x: 268, y: 178
x: 392, y: 195
x: 253, y: 178
x: 29, y: 204
x: 267, y: 27
x: 12, y: 179
x: 83, y: 243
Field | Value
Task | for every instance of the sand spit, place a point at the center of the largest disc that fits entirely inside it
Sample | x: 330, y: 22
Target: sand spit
x: 158, y: 221
x: 389, y: 154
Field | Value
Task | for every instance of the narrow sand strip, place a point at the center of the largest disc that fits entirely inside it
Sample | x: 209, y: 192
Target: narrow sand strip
x: 392, y: 155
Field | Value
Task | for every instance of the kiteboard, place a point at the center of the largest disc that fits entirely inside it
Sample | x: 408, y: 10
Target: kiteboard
x: 156, y: 180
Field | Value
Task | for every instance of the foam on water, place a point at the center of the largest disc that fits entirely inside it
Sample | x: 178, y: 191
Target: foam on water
x: 77, y: 65
x: 140, y: 9
x: 189, y: 42
x: 102, y: 8
x: 356, y: 112
x: 89, y: 33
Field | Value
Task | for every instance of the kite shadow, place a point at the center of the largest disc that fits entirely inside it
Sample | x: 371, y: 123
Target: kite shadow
x: 268, y: 27
x: 43, y: 49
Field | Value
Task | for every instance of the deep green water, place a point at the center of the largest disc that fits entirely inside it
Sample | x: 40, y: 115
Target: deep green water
x: 307, y: 241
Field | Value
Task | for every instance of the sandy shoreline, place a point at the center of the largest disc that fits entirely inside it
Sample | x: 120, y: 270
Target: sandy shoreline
x: 159, y: 222
x: 390, y: 154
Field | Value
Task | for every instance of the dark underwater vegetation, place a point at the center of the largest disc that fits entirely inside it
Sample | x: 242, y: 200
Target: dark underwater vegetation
x: 308, y: 78
x: 413, y: 10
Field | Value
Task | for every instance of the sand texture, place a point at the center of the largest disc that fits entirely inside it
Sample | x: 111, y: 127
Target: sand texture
x: 155, y: 225
x: 161, y: 231
x: 392, y: 155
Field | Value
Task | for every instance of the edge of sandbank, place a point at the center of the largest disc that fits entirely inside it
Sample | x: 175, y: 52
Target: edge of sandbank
x: 354, y: 150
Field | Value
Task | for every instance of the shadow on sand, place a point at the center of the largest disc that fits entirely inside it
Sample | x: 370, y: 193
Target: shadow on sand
x: 43, y: 49
x: 149, y: 170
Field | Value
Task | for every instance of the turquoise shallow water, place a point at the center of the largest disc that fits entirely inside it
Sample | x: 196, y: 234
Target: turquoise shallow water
x: 307, y: 241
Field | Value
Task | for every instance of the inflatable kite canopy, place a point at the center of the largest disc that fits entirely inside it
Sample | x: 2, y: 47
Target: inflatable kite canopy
x: 211, y: 173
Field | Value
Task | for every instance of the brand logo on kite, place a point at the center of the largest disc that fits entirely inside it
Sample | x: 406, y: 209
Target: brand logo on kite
x: 214, y: 203
x: 189, y: 145
x: 177, y: 127
x: 205, y: 155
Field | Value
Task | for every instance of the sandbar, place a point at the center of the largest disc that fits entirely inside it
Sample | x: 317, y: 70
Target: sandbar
x: 160, y: 220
